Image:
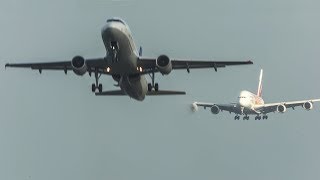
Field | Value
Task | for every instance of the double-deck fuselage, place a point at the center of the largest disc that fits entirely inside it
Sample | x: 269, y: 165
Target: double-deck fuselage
x: 122, y: 58
x: 248, y: 102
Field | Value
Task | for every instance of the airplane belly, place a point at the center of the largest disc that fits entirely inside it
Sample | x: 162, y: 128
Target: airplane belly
x: 249, y: 111
x: 135, y: 87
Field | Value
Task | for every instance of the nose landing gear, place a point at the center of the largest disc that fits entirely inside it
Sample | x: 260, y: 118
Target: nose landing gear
x: 114, y: 49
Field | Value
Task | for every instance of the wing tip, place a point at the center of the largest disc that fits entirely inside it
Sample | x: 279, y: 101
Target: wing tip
x: 194, y: 107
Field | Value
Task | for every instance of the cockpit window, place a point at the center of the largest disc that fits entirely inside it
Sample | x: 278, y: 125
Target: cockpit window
x: 115, y: 20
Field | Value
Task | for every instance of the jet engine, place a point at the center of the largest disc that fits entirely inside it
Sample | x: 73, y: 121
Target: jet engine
x: 215, y: 109
x: 164, y: 65
x: 307, y: 105
x: 79, y: 66
x: 281, y: 108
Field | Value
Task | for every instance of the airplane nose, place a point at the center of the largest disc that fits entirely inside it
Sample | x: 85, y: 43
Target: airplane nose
x: 243, y: 102
x: 112, y: 26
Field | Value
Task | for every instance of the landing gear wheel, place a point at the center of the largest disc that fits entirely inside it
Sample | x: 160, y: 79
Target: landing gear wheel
x: 93, y: 88
x: 156, y: 87
x: 149, y: 87
x: 100, y: 88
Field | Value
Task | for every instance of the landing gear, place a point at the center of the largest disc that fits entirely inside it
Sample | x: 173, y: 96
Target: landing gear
x: 156, y: 87
x: 257, y: 117
x: 114, y: 48
x: 246, y: 117
x: 264, y: 117
x: 153, y: 85
x: 237, y: 117
x: 96, y: 85
x: 93, y: 87
x: 149, y: 87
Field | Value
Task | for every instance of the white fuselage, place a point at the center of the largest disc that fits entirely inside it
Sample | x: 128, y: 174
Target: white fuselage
x: 248, y: 101
x: 125, y: 67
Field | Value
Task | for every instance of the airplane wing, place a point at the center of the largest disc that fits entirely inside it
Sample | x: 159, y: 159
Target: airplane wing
x: 150, y: 63
x: 92, y: 64
x: 231, y: 108
x: 272, y: 107
x: 149, y: 93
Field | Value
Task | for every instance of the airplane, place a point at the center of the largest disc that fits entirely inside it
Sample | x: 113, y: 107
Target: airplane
x: 125, y: 64
x: 253, y: 104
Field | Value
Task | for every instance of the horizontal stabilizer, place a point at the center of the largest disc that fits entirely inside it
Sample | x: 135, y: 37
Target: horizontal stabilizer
x: 149, y: 93
x: 111, y: 93
x: 165, y: 92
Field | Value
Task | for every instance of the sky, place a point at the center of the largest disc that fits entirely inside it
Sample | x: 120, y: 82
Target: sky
x: 53, y: 127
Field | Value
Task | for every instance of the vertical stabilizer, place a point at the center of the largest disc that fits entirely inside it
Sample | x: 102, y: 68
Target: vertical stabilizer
x: 259, y: 92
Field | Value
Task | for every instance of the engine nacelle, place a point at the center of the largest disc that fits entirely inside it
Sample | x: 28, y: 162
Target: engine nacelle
x: 164, y: 65
x: 79, y: 66
x: 215, y: 109
x: 307, y: 105
x: 281, y: 108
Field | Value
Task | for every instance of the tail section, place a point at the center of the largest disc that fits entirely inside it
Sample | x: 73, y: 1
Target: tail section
x: 259, y: 92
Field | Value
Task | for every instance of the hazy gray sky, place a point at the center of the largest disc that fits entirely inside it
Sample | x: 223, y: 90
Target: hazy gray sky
x: 52, y: 127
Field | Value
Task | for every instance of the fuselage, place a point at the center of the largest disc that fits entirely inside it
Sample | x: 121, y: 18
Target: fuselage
x: 122, y: 57
x: 249, y: 102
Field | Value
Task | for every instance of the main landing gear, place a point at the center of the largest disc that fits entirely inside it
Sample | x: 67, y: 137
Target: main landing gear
x: 246, y: 117
x: 257, y: 117
x: 153, y: 85
x: 237, y: 117
x: 96, y: 85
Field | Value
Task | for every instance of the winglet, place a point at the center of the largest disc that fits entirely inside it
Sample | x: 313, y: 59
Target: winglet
x: 5, y: 66
x: 194, y: 107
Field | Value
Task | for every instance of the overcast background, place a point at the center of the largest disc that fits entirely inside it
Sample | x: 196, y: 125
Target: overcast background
x: 52, y: 127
